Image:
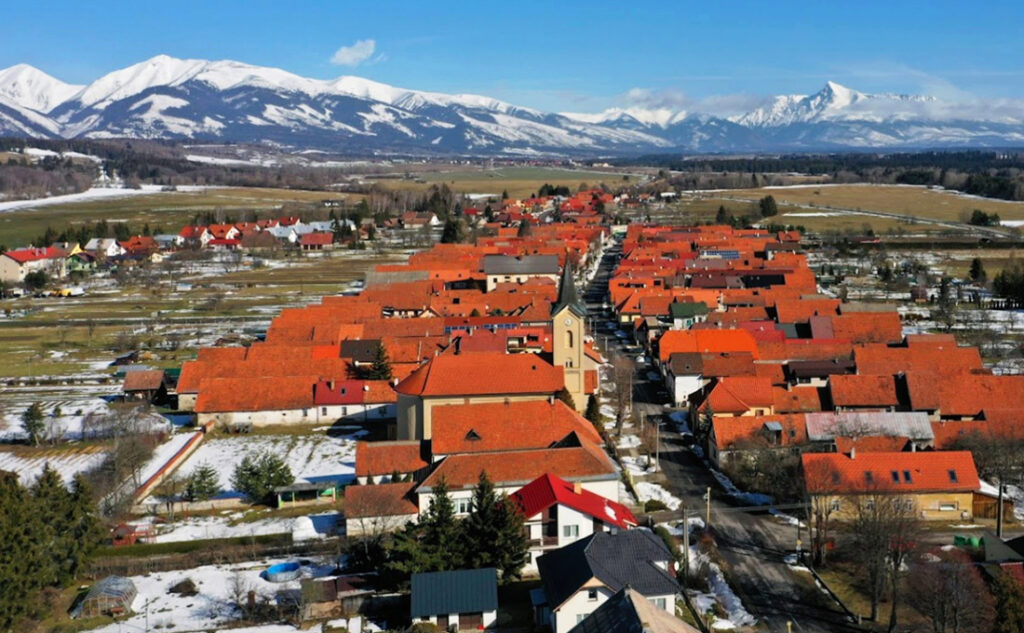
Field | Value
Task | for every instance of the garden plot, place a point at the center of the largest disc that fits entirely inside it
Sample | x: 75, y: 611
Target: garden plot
x: 304, y: 528
x: 65, y: 417
x: 68, y: 461
x: 212, y: 608
x: 314, y: 458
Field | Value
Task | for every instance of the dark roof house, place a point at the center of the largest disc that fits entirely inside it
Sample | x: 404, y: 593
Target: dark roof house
x: 629, y: 612
x: 464, y: 592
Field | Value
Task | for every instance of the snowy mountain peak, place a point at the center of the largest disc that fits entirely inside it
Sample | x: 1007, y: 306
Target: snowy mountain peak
x: 29, y: 87
x: 660, y: 117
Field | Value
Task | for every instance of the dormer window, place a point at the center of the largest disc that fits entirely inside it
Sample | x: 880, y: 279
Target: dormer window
x: 473, y: 436
x: 895, y: 476
x: 906, y: 477
x: 952, y: 477
x: 869, y: 477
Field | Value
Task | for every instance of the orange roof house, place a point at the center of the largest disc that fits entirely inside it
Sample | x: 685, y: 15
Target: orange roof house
x: 482, y: 373
x: 741, y: 395
x: 499, y: 426
x: 674, y: 341
x: 862, y: 392
x: 890, y: 473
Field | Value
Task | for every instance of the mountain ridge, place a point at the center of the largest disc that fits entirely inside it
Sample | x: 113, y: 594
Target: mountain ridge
x: 229, y: 101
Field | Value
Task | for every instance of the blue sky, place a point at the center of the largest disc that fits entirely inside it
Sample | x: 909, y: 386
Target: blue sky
x: 576, y: 56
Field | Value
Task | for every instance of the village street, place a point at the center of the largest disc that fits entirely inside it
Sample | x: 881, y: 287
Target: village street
x: 752, y: 542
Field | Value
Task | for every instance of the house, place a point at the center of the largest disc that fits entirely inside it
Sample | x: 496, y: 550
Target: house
x: 629, y: 611
x: 317, y: 241
x: 356, y: 400
x: 465, y: 599
x: 519, y: 270
x: 140, y: 246
x: 224, y: 232
x: 863, y: 392
x: 684, y: 376
x: 417, y: 220
x: 16, y: 264
x: 380, y: 508
x: 111, y: 596
x: 195, y: 235
x: 469, y: 378
x: 333, y: 596
x: 579, y: 578
x: 938, y: 485
x: 738, y: 437
x: 148, y: 385
x: 558, y: 513
x: 104, y: 247
x: 687, y: 314
x: 169, y: 241
x: 283, y: 233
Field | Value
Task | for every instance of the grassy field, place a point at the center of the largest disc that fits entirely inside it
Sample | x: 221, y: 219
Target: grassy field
x: 171, y: 210
x: 910, y: 201
x: 518, y: 181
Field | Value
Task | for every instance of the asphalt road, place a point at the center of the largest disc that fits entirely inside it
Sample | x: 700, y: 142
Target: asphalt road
x: 752, y: 543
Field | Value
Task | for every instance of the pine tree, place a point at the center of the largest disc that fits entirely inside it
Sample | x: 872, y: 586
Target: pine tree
x: 202, y: 484
x: 593, y: 412
x: 259, y: 473
x: 480, y: 528
x: 566, y: 397
x: 768, y: 207
x: 452, y: 233
x: 381, y: 367
x: 977, y: 271
x: 441, y: 531
x: 1009, y: 605
x: 511, y: 544
x: 52, y: 504
x: 32, y: 422
x: 83, y: 524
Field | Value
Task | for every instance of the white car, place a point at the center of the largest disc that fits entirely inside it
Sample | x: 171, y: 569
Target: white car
x: 641, y: 360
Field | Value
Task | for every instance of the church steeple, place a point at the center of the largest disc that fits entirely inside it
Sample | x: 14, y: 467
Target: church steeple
x: 567, y: 295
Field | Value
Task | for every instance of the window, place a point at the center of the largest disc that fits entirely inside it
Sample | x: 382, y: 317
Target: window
x: 344, y: 411
x: 835, y: 505
x: 660, y: 603
x: 591, y: 594
x: 895, y: 476
x: 305, y: 412
x: 868, y: 477
x: 323, y: 410
x: 835, y: 477
x: 462, y: 506
x: 947, y: 506
x: 952, y: 476
x: 581, y: 617
x: 906, y: 477
x: 570, y: 531
x: 869, y: 504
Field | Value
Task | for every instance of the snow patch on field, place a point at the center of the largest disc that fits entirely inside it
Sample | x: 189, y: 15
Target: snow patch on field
x: 639, y: 465
x: 314, y: 458
x: 96, y: 193
x: 66, y: 461
x: 302, y: 528
x: 736, y: 614
x: 648, y: 491
x: 628, y: 441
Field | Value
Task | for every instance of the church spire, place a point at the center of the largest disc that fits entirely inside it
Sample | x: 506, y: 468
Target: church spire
x: 567, y: 295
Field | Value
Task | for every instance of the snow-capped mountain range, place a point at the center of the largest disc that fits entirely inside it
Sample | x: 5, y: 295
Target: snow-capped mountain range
x: 228, y: 101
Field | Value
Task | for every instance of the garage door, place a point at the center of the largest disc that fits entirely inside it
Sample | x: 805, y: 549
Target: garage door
x: 471, y: 620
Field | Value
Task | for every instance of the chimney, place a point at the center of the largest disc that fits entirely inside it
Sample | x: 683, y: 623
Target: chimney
x: 853, y: 452
x: 577, y: 488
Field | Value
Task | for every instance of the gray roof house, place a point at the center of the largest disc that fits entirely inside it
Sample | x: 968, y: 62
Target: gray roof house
x: 465, y: 598
x: 579, y: 578
x: 629, y: 612
x: 528, y: 265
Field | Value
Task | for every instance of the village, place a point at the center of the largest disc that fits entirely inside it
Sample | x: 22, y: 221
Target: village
x: 563, y: 423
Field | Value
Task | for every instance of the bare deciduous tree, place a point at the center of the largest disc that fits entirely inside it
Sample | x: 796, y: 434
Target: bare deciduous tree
x: 945, y: 587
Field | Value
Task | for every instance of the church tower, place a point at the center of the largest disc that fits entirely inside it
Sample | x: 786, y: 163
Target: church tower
x: 567, y: 320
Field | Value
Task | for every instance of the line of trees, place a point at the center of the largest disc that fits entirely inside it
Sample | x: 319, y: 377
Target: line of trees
x: 47, y: 532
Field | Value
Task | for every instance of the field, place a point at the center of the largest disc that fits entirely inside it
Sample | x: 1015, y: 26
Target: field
x: 520, y: 182
x: 170, y: 210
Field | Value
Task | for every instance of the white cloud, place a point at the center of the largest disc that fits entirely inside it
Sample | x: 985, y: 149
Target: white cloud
x: 355, y: 54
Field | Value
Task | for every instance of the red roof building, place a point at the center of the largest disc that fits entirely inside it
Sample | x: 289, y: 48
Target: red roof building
x: 548, y: 491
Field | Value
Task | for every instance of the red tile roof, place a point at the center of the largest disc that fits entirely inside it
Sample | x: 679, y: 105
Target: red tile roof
x: 862, y: 391
x: 380, y: 500
x: 473, y: 428
x: 316, y: 239
x: 732, y: 431
x: 384, y: 458
x: 144, y: 380
x: 483, y: 373
x: 933, y: 471
x: 740, y: 394
x: 521, y: 467
x: 218, y: 395
x: 24, y: 255
x: 549, y: 490
x: 736, y: 340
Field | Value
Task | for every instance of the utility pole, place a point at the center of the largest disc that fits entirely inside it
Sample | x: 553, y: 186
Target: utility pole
x: 707, y: 522
x: 686, y: 548
x: 999, y: 511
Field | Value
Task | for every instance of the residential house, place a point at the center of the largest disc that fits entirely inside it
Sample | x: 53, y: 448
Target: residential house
x: 14, y: 265
x: 629, y: 611
x: 104, y: 247
x: 519, y: 270
x: 169, y: 241
x: 937, y: 485
x: 317, y: 241
x: 464, y: 599
x: 558, y: 513
x: 145, y: 385
x: 687, y: 314
x: 471, y: 378
x: 578, y: 578
x: 195, y: 236
x: 353, y: 400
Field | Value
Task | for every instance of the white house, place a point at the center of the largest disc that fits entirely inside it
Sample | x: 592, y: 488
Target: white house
x: 104, y: 247
x: 14, y: 265
x: 284, y: 233
x: 579, y: 578
x: 558, y: 513
x: 684, y: 376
